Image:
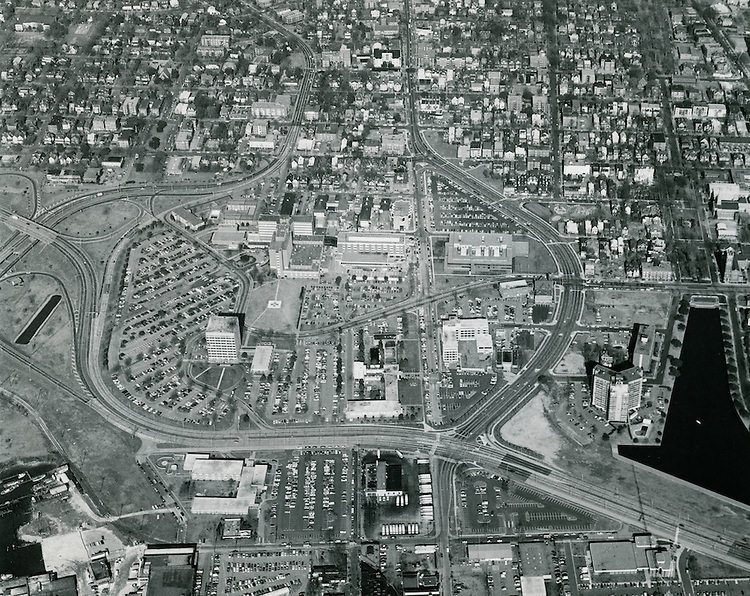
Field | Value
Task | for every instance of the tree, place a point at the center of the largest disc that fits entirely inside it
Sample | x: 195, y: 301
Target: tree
x: 605, y: 437
x: 154, y: 143
x: 676, y: 343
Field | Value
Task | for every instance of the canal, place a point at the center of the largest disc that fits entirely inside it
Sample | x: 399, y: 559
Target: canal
x: 704, y: 442
x: 36, y: 323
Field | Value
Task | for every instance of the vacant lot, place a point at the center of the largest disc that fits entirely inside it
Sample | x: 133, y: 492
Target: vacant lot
x: 21, y: 441
x: 530, y: 428
x: 102, y: 456
x: 17, y: 194
x: 99, y: 220
x: 623, y: 308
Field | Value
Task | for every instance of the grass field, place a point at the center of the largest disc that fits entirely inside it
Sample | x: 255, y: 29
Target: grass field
x: 280, y: 320
x: 623, y: 308
x: 99, y: 220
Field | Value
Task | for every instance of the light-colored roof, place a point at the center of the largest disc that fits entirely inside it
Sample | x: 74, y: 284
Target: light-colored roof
x: 221, y: 505
x: 533, y: 585
x: 261, y: 358
x: 619, y: 556
x: 218, y: 468
x: 490, y: 551
x: 222, y: 323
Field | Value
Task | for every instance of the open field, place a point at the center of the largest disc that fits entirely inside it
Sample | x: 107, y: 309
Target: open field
x: 17, y: 194
x: 99, y: 220
x: 21, y: 440
x: 530, y: 428
x: 102, y: 456
x: 278, y: 320
x: 623, y: 308
x: 18, y: 305
x: 572, y: 364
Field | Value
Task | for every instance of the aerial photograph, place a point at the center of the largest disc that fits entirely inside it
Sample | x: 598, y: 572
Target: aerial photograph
x: 374, y: 298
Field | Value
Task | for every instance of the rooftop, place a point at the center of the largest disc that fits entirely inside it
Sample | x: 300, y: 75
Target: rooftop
x: 222, y: 323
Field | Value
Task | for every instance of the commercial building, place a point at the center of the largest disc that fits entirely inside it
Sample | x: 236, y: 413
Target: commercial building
x: 223, y: 339
x: 187, y: 219
x: 250, y: 480
x: 262, y: 360
x: 478, y: 253
x: 642, y: 345
x: 388, y: 407
x: 217, y: 470
x: 466, y: 342
x: 617, y: 556
x: 45, y: 584
x: 489, y: 551
x: 371, y: 248
x: 616, y: 392
x: 169, y: 569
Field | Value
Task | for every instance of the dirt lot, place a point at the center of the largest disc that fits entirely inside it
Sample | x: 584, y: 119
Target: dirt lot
x: 622, y: 308
x: 530, y: 428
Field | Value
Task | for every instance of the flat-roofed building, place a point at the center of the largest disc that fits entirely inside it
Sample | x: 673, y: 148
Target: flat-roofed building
x: 187, y: 219
x: 217, y: 469
x: 491, y: 551
x: 262, y: 360
x: 223, y: 339
x: 533, y: 585
x: 474, y: 331
x: 617, y: 556
x: 356, y: 247
x: 616, y: 392
x: 642, y: 346
x: 479, y: 253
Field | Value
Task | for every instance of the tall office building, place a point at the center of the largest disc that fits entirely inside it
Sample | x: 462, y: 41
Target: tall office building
x: 223, y: 339
x: 616, y: 392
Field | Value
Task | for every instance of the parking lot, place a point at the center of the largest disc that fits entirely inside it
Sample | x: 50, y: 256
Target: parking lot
x: 310, y: 497
x: 156, y: 321
x: 254, y: 573
x: 489, y: 504
x: 455, y: 211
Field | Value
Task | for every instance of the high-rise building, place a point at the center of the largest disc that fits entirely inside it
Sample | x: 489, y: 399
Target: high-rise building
x: 616, y: 392
x: 223, y: 339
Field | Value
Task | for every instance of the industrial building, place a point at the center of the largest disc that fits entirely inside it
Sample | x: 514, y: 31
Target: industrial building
x: 223, y: 339
x: 383, y: 480
x: 616, y: 392
x: 478, y: 253
x: 466, y: 342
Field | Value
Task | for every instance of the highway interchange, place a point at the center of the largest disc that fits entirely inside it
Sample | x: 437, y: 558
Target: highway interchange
x: 471, y: 440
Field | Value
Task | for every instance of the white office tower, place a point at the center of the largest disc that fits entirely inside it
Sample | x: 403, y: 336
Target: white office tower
x: 223, y: 339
